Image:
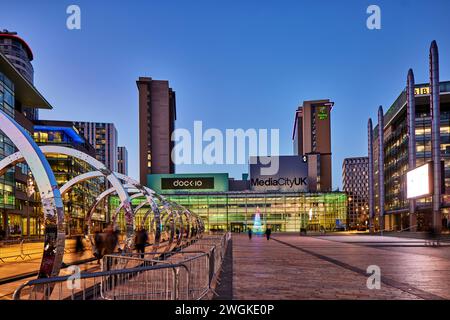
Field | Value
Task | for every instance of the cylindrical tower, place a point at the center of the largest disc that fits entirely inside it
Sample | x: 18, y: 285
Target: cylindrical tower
x: 381, y: 166
x: 435, y: 135
x: 371, y: 188
x: 18, y: 52
x: 411, y: 119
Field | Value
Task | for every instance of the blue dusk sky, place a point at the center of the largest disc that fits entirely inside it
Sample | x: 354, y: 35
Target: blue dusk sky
x: 233, y: 64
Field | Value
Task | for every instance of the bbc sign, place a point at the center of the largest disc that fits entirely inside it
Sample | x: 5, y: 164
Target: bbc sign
x: 187, y: 183
x: 292, y: 175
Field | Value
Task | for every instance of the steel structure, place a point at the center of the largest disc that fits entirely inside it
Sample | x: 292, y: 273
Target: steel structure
x: 173, y: 217
x: 52, y: 205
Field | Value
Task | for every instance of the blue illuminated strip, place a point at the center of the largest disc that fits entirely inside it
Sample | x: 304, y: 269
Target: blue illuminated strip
x: 67, y: 130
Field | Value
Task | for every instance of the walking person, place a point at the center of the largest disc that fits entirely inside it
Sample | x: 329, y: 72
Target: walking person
x: 140, y: 241
x: 250, y: 233
x: 268, y: 233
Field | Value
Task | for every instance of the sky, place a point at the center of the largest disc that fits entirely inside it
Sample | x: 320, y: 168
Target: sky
x: 233, y: 64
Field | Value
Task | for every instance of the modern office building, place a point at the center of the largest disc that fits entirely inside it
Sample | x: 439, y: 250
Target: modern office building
x: 396, y: 157
x: 82, y: 195
x: 122, y: 160
x: 355, y: 183
x: 17, y: 214
x: 157, y: 115
x: 103, y: 137
x: 312, y: 139
x: 281, y: 201
x: 19, y: 53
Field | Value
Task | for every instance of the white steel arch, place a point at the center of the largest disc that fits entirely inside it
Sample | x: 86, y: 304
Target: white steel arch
x: 52, y: 204
x: 112, y: 178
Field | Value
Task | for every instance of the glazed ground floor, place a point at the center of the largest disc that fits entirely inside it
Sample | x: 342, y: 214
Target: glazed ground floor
x: 282, y: 212
x: 396, y: 221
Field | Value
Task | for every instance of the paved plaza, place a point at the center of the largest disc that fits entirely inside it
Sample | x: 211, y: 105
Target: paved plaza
x: 334, y: 267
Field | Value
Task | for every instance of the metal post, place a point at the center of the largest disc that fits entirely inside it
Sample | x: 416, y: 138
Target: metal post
x: 411, y: 115
x: 435, y: 135
x: 381, y: 166
x: 371, y: 188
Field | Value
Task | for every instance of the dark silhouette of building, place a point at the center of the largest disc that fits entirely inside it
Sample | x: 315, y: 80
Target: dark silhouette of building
x: 157, y: 115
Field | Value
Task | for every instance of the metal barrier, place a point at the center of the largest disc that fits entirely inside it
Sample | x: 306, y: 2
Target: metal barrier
x: 188, y: 274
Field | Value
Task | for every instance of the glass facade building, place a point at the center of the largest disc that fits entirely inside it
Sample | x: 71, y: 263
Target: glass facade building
x: 283, y: 212
x: 7, y: 181
x: 396, y: 157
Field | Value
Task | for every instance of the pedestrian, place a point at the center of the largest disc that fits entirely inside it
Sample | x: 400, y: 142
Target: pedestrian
x: 250, y: 233
x: 140, y: 241
x: 79, y: 244
x: 268, y: 232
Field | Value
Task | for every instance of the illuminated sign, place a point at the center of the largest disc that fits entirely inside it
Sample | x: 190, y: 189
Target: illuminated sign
x: 422, y: 91
x: 323, y: 113
x: 187, y: 183
x: 418, y: 182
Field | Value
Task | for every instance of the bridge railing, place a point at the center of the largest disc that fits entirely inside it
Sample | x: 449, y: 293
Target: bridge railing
x: 188, y: 274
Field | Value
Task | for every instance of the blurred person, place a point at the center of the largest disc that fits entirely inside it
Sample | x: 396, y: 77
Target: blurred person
x: 268, y: 233
x: 140, y: 241
x: 432, y: 237
x: 79, y: 244
x: 250, y: 233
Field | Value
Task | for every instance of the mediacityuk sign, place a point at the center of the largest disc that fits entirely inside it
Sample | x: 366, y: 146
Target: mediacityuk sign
x: 292, y: 175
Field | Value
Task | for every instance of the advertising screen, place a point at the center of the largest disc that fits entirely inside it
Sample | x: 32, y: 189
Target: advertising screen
x: 418, y: 182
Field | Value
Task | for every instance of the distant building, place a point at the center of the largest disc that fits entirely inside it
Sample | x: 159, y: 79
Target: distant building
x: 103, y: 137
x: 157, y: 115
x: 312, y: 140
x: 122, y: 160
x: 355, y: 183
x: 82, y: 195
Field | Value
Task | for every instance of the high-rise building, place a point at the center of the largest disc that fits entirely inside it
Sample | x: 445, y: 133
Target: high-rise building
x: 103, y: 137
x: 122, y: 160
x: 157, y: 115
x: 18, y: 52
x: 18, y: 217
x: 312, y: 140
x: 355, y: 183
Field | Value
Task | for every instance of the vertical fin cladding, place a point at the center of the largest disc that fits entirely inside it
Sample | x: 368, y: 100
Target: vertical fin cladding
x: 435, y: 134
x: 411, y: 120
x: 371, y: 188
x: 381, y: 165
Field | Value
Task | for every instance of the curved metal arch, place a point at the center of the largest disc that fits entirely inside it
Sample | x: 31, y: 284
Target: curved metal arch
x: 78, y: 179
x: 52, y: 204
x: 123, y: 195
